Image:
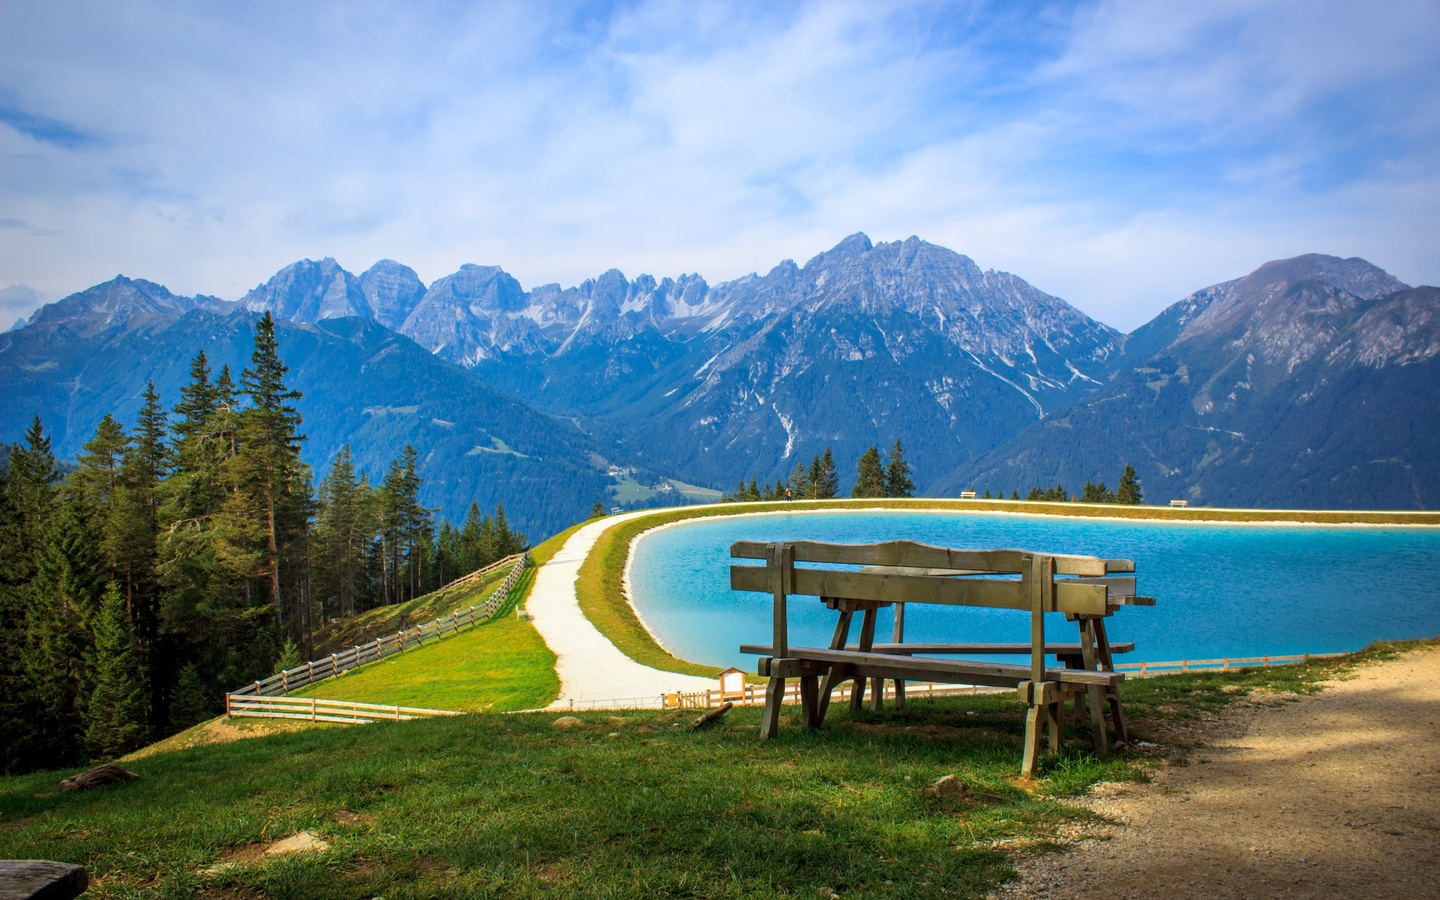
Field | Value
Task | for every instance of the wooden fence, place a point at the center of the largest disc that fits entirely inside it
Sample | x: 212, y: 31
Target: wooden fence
x: 311, y: 709
x: 1144, y: 669
x: 288, y: 680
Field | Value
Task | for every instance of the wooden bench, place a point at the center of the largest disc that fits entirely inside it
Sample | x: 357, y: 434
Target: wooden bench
x: 899, y: 572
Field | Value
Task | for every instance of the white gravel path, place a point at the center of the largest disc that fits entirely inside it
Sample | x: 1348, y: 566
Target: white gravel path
x: 590, y: 667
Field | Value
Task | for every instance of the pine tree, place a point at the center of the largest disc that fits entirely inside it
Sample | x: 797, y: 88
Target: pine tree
x: 752, y: 493
x: 17, y: 728
x: 341, y: 534
x: 191, y: 702
x: 1129, y: 490
x: 132, y: 527
x: 597, y: 511
x: 289, y: 657
x: 897, y: 474
x: 266, y: 466
x: 1014, y: 495
x: 826, y: 485
x: 97, y: 475
x: 1096, y: 493
x: 64, y: 602
x: 507, y: 542
x: 115, y: 716
x: 470, y: 540
x: 33, y: 493
x: 869, y: 476
x: 799, y: 485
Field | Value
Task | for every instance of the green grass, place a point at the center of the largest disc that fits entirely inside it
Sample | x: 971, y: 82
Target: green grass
x: 632, y: 805
x: 496, y: 805
x: 387, y: 620
x: 501, y: 664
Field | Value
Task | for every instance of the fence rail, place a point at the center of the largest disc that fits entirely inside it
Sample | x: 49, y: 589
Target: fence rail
x: 338, y: 663
x: 1145, y: 669
x: 312, y: 709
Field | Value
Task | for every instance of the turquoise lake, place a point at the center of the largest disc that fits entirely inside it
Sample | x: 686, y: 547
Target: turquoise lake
x: 1221, y: 590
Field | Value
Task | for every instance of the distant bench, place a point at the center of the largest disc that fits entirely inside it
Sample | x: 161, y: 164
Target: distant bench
x: 901, y: 572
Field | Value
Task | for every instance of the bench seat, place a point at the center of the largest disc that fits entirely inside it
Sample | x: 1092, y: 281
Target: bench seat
x: 957, y: 671
x: 1072, y: 649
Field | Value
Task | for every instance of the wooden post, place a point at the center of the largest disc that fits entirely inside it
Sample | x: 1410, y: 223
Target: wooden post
x: 780, y: 560
x: 1038, y: 579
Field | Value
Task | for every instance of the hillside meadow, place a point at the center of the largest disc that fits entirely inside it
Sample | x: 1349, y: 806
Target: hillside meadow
x: 633, y: 804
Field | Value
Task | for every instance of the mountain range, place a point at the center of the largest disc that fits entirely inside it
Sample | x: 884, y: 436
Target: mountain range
x: 1309, y: 382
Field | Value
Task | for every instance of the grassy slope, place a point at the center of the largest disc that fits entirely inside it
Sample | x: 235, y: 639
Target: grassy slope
x: 600, y: 590
x: 502, y: 664
x: 507, y: 805
x: 387, y: 620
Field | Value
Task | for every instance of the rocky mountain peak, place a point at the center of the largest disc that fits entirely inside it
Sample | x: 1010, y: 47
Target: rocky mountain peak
x: 118, y: 302
x: 1355, y: 275
x: 392, y: 291
x: 308, y: 291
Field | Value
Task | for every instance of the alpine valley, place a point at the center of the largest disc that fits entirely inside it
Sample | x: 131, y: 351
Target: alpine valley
x: 1311, y: 382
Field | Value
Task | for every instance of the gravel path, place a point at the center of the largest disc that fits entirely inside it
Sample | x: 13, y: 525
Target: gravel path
x: 589, y: 666
x: 1332, y: 795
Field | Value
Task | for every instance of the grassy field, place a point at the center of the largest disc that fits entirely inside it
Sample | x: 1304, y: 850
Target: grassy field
x: 501, y: 664
x: 387, y: 620
x: 634, y: 805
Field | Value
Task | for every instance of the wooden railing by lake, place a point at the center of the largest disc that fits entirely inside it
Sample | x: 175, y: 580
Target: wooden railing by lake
x: 285, y: 681
x: 1145, y: 669
x: 311, y: 709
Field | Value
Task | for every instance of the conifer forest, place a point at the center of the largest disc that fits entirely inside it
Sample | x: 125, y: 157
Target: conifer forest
x: 181, y: 557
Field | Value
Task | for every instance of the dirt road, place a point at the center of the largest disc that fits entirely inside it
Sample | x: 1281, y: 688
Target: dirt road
x: 1331, y: 795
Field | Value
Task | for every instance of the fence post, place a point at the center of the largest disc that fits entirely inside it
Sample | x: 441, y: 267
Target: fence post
x: 313, y: 704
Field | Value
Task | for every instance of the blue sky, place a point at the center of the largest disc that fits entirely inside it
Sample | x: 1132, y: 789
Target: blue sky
x: 1116, y: 154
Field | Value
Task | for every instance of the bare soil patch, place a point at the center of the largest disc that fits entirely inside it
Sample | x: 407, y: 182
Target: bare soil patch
x: 1331, y: 795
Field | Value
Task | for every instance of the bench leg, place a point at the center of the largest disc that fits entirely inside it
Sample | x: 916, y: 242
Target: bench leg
x: 1106, y: 663
x: 808, y: 705
x: 857, y: 695
x: 1117, y: 715
x: 833, y: 676
x: 867, y: 641
x: 877, y: 694
x: 1096, y: 695
x: 899, y: 693
x: 828, y: 684
x: 1031, y: 754
x: 774, y: 696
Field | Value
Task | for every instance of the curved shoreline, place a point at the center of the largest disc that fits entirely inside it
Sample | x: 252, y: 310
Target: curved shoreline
x: 579, y: 659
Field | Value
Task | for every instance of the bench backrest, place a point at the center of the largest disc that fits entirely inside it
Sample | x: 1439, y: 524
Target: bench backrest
x: 910, y: 572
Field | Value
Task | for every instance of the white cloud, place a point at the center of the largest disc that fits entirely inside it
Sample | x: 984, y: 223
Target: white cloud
x: 1119, y: 155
